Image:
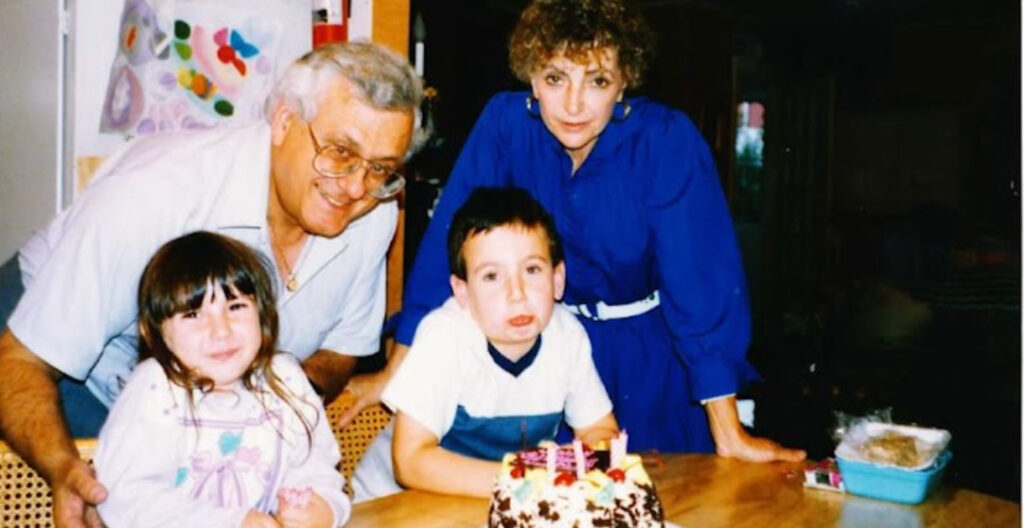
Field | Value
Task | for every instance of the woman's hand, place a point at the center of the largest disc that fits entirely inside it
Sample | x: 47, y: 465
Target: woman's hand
x: 255, y: 519
x: 732, y: 441
x: 303, y: 509
x: 367, y: 388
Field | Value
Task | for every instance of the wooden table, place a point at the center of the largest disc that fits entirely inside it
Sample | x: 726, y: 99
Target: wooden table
x: 704, y: 491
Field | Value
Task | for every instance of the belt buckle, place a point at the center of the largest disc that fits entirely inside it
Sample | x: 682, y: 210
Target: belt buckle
x: 590, y: 311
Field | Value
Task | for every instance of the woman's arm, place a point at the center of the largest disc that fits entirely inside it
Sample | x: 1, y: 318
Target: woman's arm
x: 421, y: 463
x: 703, y: 292
x: 732, y: 441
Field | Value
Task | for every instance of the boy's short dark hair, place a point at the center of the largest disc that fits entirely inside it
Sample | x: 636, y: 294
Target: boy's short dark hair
x: 490, y: 207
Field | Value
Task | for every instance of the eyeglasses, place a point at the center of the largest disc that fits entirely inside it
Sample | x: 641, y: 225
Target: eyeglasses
x: 336, y: 161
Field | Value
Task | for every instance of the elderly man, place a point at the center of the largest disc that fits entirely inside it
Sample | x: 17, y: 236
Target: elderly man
x: 304, y: 189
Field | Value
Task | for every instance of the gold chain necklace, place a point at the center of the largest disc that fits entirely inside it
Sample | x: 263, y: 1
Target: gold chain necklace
x: 292, y: 282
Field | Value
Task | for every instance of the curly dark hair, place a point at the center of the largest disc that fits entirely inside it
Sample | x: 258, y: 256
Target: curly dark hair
x: 577, y: 28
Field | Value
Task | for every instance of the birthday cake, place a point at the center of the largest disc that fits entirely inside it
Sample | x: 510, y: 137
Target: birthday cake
x: 574, y: 487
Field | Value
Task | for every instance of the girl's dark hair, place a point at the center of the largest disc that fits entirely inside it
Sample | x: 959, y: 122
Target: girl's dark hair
x: 490, y: 207
x: 176, y: 280
x: 576, y: 28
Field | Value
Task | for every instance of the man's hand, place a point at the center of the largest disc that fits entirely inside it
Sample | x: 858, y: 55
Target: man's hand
x: 367, y: 388
x: 75, y: 496
x: 732, y: 441
x: 33, y: 426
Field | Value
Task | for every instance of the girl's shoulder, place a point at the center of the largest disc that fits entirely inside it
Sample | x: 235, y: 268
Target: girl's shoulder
x: 288, y: 369
x: 148, y: 388
x: 148, y: 371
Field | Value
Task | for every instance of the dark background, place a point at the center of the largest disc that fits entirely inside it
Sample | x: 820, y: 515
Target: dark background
x: 881, y: 233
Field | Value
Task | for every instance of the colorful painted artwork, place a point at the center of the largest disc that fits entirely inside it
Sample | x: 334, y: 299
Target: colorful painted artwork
x: 189, y: 64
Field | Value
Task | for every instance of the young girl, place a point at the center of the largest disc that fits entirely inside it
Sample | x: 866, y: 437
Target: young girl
x: 214, y: 428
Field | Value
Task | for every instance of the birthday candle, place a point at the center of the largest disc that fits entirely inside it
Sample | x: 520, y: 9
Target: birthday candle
x: 618, y: 450
x: 581, y: 465
x: 552, y: 452
x: 419, y: 31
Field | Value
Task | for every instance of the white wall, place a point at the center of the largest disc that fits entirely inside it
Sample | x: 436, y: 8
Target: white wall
x: 92, y: 43
x: 38, y: 141
x: 30, y: 44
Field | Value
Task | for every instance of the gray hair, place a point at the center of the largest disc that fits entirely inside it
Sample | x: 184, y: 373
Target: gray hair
x: 381, y: 77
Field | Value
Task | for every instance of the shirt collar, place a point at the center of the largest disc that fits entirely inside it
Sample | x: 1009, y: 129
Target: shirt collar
x: 515, y: 368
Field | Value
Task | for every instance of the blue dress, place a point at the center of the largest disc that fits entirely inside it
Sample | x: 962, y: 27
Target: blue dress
x: 643, y: 212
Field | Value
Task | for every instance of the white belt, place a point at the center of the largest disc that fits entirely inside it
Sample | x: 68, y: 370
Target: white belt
x: 600, y: 311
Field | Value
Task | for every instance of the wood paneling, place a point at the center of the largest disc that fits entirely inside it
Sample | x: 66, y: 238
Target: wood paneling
x: 391, y: 28
x: 391, y: 24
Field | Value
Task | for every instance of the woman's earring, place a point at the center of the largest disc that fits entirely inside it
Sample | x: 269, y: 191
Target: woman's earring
x: 529, y: 106
x: 622, y: 110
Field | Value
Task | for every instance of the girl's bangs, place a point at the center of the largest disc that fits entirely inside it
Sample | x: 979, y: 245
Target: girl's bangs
x: 190, y: 290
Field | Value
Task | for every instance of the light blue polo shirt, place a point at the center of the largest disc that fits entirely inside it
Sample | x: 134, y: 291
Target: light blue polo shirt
x: 81, y: 272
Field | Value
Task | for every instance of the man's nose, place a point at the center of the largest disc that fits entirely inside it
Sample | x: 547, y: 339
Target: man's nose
x: 355, y: 183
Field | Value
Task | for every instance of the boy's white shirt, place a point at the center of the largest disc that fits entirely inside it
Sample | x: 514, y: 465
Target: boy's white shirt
x: 448, y: 365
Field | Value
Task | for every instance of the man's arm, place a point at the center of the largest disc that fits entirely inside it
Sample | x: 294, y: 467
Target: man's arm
x: 329, y: 372
x: 31, y: 422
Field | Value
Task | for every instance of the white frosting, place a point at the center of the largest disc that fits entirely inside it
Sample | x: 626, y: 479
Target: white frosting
x: 534, y: 500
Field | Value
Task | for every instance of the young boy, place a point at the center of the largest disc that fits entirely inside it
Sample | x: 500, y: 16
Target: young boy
x: 497, y: 367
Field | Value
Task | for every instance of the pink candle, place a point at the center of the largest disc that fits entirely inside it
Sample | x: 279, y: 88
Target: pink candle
x: 581, y: 464
x: 618, y: 450
x: 552, y: 452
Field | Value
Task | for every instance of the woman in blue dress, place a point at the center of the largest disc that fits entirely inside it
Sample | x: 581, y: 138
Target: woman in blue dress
x: 653, y: 268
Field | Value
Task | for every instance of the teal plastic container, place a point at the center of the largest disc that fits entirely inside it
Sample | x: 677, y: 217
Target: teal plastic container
x: 892, y: 484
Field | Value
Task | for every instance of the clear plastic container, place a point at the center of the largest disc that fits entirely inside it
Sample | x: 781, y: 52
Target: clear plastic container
x: 892, y: 483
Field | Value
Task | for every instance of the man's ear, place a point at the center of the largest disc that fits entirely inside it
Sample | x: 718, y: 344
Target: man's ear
x: 559, y: 280
x: 280, y: 121
x: 460, y: 290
